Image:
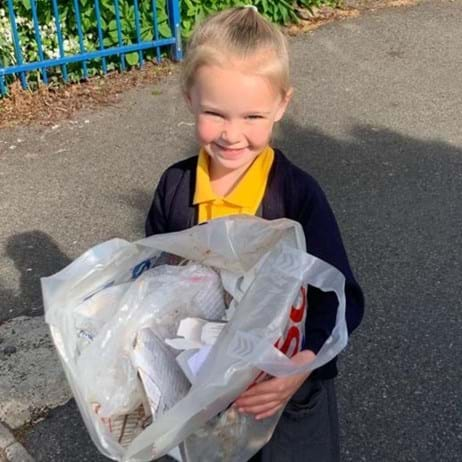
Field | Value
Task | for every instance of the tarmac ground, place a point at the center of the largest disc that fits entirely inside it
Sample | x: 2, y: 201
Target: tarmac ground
x: 376, y: 119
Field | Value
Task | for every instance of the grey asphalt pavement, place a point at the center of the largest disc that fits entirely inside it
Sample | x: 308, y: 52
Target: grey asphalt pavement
x: 376, y: 118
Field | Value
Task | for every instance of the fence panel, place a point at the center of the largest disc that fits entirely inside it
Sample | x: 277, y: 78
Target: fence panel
x: 70, y: 40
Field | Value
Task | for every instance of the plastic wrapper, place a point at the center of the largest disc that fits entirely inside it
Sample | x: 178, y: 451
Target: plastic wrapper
x: 263, y: 265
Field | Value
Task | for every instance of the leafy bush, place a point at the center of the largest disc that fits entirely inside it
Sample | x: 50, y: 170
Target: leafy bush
x: 192, y: 11
x: 278, y: 11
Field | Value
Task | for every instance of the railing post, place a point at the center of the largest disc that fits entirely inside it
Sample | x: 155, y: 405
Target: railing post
x: 16, y: 41
x: 174, y: 18
x: 2, y: 82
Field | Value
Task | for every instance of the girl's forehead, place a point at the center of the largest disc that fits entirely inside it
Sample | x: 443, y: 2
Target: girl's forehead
x: 231, y: 82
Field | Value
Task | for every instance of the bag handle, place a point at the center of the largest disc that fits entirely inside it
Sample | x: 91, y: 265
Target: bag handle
x: 262, y: 354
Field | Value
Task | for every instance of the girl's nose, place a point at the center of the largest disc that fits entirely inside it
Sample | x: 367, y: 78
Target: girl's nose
x: 231, y: 133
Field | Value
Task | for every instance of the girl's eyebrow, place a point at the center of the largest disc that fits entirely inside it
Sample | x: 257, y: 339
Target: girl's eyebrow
x: 257, y: 112
x: 206, y: 107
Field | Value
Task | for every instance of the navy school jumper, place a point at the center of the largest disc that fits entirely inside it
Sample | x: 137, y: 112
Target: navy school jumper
x: 290, y: 193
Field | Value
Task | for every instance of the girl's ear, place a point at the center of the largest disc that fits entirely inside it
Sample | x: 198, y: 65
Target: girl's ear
x: 283, y: 104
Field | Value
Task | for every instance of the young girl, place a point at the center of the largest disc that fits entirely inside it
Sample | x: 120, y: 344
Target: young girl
x: 236, y: 83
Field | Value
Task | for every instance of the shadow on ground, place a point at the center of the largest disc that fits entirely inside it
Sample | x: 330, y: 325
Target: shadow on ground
x: 34, y: 254
x: 398, y: 202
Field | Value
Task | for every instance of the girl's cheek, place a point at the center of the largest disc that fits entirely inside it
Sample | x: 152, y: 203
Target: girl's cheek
x: 206, y: 131
x: 261, y: 135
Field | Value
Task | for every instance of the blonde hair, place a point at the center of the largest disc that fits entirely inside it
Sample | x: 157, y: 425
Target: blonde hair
x: 243, y: 34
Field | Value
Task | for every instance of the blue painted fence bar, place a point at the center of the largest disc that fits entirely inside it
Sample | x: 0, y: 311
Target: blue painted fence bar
x: 111, y: 33
x: 78, y: 23
x: 17, y: 47
x: 154, y: 26
x: 60, y: 36
x: 100, y: 33
x: 137, y: 26
x: 174, y: 18
x: 38, y: 37
x: 85, y: 56
x: 119, y: 32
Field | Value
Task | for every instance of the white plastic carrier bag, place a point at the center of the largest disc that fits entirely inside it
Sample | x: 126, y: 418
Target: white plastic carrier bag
x: 237, y: 283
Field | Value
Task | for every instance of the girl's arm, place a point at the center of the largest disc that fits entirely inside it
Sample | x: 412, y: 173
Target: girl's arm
x: 324, y: 241
x: 156, y: 221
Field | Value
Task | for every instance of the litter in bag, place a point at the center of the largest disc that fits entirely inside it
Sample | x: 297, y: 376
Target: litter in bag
x: 161, y: 376
x: 158, y: 300
x: 263, y: 266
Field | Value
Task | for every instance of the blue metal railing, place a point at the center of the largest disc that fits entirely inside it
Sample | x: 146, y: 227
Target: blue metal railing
x: 118, y: 28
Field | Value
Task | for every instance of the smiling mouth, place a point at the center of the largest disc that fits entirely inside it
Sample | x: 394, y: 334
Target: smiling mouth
x: 229, y: 149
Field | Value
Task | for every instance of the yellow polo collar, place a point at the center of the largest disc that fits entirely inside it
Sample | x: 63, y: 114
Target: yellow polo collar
x: 247, y: 194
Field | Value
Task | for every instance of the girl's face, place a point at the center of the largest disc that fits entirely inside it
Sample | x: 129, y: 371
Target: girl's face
x: 235, y: 111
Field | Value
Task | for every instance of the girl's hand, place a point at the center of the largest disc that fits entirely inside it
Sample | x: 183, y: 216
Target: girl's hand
x: 266, y: 398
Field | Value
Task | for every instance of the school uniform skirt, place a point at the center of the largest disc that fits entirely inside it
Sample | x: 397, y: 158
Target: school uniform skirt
x: 308, y: 429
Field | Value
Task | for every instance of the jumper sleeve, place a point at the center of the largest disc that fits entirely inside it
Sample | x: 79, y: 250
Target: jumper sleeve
x: 156, y: 221
x: 324, y: 241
